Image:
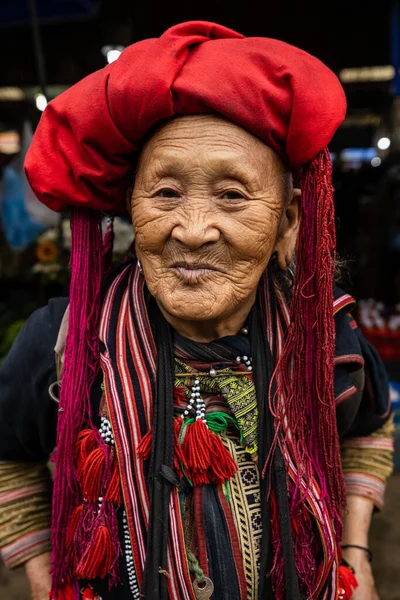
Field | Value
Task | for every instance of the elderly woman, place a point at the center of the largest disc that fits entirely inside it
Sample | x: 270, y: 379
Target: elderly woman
x: 206, y: 383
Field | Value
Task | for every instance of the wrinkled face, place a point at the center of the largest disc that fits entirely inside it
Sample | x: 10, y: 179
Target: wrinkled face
x: 207, y: 209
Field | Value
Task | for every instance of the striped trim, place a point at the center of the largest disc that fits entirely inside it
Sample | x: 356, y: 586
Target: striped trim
x: 374, y: 443
x: 129, y: 366
x: 365, y: 485
x: 346, y: 394
x: 339, y: 303
x: 23, y: 492
x: 30, y: 545
x: 349, y: 358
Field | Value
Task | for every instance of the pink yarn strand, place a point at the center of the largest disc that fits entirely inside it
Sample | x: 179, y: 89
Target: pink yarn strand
x: 305, y: 372
x: 80, y: 369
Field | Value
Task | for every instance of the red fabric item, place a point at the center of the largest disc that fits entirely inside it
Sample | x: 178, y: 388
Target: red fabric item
x: 82, y: 152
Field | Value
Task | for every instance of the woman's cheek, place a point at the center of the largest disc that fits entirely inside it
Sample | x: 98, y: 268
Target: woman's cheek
x: 254, y: 244
x: 150, y: 230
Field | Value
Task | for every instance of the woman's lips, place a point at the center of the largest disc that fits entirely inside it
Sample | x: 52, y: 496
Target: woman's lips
x: 195, y: 271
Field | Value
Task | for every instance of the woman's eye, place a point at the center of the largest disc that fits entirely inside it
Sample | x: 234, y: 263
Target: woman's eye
x: 232, y: 195
x: 168, y: 193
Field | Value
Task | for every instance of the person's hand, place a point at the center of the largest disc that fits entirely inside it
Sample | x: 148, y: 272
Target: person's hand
x: 358, y: 559
x: 38, y: 573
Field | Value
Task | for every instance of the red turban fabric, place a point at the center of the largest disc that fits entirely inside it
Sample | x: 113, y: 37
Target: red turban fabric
x: 82, y: 151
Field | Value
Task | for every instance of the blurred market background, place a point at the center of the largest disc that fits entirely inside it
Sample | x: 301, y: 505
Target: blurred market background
x: 48, y: 45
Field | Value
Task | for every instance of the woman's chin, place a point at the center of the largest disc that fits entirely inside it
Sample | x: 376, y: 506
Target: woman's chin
x: 193, y: 307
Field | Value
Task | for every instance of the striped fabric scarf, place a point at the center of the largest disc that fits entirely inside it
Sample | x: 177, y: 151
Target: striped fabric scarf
x: 137, y: 368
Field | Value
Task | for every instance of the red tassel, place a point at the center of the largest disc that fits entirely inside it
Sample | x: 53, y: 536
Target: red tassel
x: 304, y: 373
x: 144, y: 447
x: 99, y: 556
x: 114, y: 492
x: 89, y: 594
x: 347, y: 583
x: 75, y: 518
x: 67, y: 593
x: 207, y: 459
x: 179, y: 396
x: 91, y: 475
x: 85, y: 444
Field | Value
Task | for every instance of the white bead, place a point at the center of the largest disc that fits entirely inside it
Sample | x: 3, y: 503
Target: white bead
x: 213, y: 372
x: 238, y: 359
x: 245, y: 358
x: 249, y: 368
x: 245, y: 331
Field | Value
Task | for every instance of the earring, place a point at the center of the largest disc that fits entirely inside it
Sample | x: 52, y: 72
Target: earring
x: 290, y: 276
x: 140, y: 266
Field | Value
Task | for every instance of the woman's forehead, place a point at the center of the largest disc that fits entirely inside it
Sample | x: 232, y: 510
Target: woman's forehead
x: 209, y: 141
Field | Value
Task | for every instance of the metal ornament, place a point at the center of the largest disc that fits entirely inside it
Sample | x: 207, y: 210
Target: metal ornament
x: 205, y: 591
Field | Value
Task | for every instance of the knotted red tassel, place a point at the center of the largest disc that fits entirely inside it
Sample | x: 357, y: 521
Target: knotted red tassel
x: 66, y: 593
x: 75, y: 518
x: 347, y: 583
x: 88, y: 594
x: 207, y: 459
x: 99, y: 556
x: 91, y: 475
x: 223, y: 467
x: 114, y: 491
x: 85, y: 443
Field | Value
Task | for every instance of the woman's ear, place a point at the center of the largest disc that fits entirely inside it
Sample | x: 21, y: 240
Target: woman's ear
x: 287, y: 237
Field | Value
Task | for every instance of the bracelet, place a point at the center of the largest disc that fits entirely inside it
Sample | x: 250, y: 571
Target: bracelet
x: 367, y: 550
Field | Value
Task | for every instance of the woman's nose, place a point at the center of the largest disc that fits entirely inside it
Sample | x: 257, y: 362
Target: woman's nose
x: 195, y: 231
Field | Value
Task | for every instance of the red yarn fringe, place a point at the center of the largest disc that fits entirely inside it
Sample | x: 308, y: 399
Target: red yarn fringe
x: 202, y: 456
x: 80, y: 370
x: 108, y: 243
x: 305, y: 372
x: 207, y: 459
x: 347, y: 583
x: 66, y: 593
x: 114, y: 490
x: 99, y: 557
x: 91, y: 475
x: 73, y: 525
x: 92, y: 535
x: 85, y: 443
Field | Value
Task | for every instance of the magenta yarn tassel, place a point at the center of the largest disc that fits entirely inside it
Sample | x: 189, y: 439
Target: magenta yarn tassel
x: 305, y: 372
x: 80, y: 368
x: 108, y: 242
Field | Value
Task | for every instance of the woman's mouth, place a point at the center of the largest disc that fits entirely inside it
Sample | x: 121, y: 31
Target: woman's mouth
x: 192, y: 272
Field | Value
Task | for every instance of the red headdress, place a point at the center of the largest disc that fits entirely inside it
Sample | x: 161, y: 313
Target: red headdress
x: 82, y: 156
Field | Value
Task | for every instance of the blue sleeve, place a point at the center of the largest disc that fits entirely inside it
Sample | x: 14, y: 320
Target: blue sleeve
x: 28, y: 415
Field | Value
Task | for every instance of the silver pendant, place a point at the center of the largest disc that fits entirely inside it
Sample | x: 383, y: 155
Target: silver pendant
x: 203, y: 591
